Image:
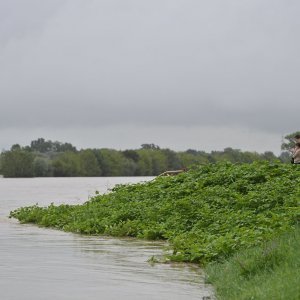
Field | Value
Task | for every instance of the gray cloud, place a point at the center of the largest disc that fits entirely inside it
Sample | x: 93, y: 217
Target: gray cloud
x: 150, y: 64
x: 19, y: 19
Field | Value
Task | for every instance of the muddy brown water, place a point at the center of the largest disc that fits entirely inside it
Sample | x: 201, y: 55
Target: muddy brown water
x: 41, y: 264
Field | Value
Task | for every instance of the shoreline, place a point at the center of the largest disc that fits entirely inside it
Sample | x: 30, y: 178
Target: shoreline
x: 208, y: 214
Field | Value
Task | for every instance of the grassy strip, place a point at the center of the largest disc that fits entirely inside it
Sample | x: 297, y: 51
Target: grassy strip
x: 206, y: 214
x: 268, y: 271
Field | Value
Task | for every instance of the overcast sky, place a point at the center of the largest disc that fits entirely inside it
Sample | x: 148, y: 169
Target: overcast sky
x: 178, y: 73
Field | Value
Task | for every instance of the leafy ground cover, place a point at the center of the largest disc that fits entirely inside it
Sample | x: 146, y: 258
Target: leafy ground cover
x: 206, y: 214
x: 268, y: 271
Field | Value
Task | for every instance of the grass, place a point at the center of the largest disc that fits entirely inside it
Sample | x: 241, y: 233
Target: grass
x: 268, y: 271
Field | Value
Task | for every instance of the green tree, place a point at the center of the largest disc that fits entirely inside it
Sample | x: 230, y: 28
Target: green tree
x: 131, y: 154
x: 172, y: 159
x: 66, y: 165
x: 43, y: 146
x: 285, y: 157
x: 111, y: 162
x: 150, y: 146
x: 249, y: 157
x: 287, y: 144
x: 144, y: 164
x: 289, y: 141
x: 269, y: 156
x: 17, y: 163
x: 40, y: 145
x: 42, y: 167
x: 88, y: 164
x: 152, y: 162
x: 191, y: 157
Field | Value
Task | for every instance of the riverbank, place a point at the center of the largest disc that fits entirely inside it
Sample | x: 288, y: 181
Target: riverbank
x: 75, y: 266
x: 268, y: 271
x: 207, y: 214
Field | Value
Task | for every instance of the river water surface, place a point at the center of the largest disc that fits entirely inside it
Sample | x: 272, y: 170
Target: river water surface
x: 46, y: 264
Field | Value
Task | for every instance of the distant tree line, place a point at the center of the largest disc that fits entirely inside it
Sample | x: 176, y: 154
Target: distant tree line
x: 47, y: 158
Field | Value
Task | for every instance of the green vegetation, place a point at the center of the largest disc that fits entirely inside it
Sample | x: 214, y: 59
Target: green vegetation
x: 46, y: 158
x: 237, y: 220
x: 268, y: 271
x: 17, y: 163
x: 206, y: 214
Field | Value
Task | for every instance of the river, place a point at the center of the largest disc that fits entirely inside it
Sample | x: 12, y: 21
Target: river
x: 45, y: 264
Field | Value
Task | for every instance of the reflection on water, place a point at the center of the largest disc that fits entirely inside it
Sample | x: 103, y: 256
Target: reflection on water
x: 42, y: 264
